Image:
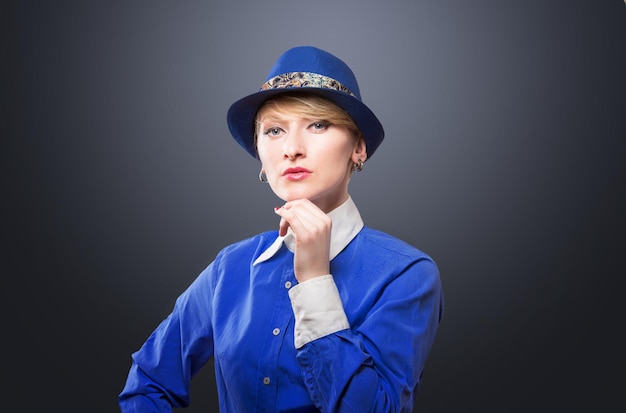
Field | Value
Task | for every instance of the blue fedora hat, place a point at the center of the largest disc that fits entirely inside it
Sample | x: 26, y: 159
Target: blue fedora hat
x: 311, y: 70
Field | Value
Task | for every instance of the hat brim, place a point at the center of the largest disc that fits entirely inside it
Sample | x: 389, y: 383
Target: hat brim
x: 241, y: 116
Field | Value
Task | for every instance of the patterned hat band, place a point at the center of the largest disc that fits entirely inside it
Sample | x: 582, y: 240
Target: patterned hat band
x: 305, y: 79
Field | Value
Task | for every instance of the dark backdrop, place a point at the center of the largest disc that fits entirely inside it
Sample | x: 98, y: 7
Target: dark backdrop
x: 504, y: 159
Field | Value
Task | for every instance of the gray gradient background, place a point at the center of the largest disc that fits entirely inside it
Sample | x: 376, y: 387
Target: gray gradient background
x: 504, y: 158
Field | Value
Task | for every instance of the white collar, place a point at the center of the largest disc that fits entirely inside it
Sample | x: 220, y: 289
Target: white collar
x: 347, y: 223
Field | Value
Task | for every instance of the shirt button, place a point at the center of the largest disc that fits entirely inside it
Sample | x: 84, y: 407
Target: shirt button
x: 266, y: 380
x: 276, y: 331
x: 288, y: 285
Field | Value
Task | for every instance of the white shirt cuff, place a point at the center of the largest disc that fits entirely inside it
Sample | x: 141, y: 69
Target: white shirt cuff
x: 317, y: 308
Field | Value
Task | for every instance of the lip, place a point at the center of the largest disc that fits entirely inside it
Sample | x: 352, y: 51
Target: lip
x: 296, y: 174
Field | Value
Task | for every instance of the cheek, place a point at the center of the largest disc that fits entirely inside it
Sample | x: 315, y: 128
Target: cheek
x: 340, y: 156
x: 267, y: 158
x: 262, y: 151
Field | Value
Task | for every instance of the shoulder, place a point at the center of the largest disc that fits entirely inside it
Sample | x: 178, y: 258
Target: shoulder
x: 374, y: 249
x: 247, y: 249
x: 375, y: 260
x: 380, y: 243
x: 234, y: 260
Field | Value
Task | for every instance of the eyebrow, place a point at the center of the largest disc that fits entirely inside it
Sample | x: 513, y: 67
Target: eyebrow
x: 278, y: 118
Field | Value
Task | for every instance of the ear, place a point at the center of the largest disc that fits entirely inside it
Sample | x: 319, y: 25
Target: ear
x: 360, y: 151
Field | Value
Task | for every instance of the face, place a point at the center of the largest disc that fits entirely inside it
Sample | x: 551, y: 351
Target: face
x: 306, y: 157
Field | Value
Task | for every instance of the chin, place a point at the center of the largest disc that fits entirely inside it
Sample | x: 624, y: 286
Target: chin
x: 292, y: 195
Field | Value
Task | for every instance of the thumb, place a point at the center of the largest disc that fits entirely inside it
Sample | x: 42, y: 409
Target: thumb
x: 283, y: 225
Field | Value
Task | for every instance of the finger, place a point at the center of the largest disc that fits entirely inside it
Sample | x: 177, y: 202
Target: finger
x: 312, y: 229
x: 288, y: 218
x: 295, y: 219
x: 283, y: 226
x: 306, y: 220
x: 308, y: 212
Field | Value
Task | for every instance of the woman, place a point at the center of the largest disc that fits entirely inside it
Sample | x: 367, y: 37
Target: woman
x: 324, y: 314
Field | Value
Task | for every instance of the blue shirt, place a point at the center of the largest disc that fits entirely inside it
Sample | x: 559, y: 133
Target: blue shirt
x: 355, y: 340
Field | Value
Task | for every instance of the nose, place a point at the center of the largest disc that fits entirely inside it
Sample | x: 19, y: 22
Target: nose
x: 293, y: 146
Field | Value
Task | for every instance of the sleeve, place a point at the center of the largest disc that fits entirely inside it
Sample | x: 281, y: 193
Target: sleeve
x: 317, y: 309
x: 161, y: 370
x: 377, y: 366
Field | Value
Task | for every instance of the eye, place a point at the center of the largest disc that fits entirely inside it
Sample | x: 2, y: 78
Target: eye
x: 321, y: 125
x: 273, y: 131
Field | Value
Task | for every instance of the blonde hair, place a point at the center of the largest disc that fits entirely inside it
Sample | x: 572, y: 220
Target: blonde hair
x: 307, y: 106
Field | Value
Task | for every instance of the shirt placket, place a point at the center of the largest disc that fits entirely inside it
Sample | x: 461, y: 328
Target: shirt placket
x: 273, y: 338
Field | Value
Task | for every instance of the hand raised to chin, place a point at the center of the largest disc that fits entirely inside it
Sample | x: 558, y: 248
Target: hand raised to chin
x: 312, y: 228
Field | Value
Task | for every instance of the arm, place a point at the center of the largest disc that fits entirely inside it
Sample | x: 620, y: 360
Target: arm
x: 375, y: 366
x: 160, y: 374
